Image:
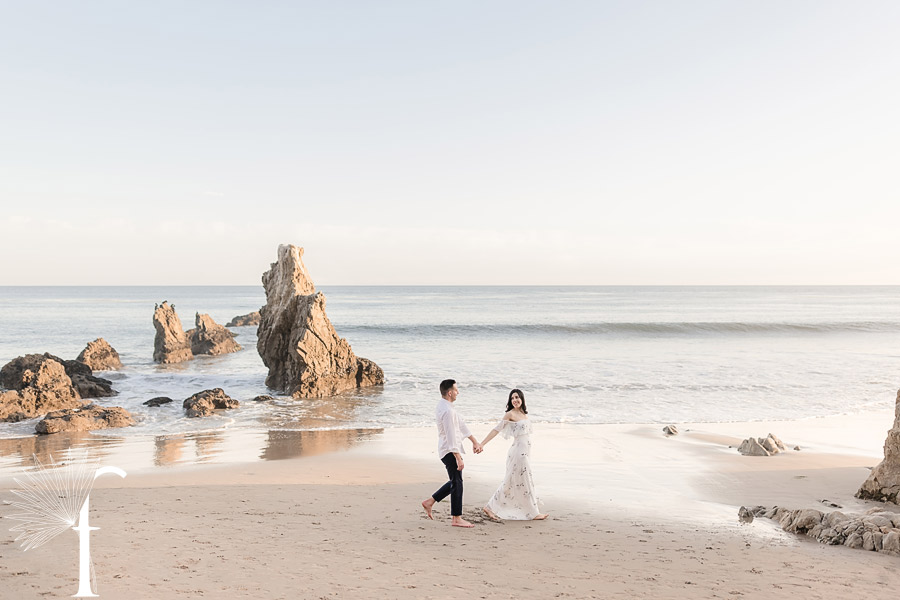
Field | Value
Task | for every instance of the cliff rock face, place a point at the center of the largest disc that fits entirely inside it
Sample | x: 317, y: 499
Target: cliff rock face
x: 37, y: 384
x: 100, y: 356
x: 208, y: 337
x: 883, y: 483
x: 171, y: 344
x: 244, y: 320
x: 87, y: 418
x: 297, y: 342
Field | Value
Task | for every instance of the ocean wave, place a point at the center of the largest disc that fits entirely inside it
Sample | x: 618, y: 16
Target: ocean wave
x: 630, y: 328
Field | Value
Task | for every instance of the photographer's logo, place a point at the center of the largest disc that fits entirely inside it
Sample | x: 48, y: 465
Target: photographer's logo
x: 56, y: 497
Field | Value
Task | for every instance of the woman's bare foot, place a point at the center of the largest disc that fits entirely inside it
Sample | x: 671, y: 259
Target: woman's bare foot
x: 540, y: 517
x: 460, y: 522
x: 427, y: 504
x: 490, y: 514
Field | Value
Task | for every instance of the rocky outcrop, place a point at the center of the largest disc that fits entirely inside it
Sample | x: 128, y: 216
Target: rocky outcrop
x: 36, y: 384
x: 766, y: 446
x: 86, y: 418
x: 174, y: 345
x: 171, y: 344
x: 670, y: 430
x: 876, y: 530
x: 203, y: 404
x: 158, y: 401
x: 883, y: 483
x: 298, y: 343
x: 263, y: 398
x: 86, y: 383
x: 100, y: 356
x: 208, y: 337
x: 245, y: 320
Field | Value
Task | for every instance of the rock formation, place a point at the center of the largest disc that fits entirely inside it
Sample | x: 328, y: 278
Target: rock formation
x: 208, y: 337
x: 883, y: 483
x: 86, y: 383
x: 37, y: 384
x: 670, y: 430
x: 877, y: 530
x: 100, y: 356
x: 87, y: 418
x: 174, y: 345
x: 245, y: 320
x: 171, y: 344
x: 766, y: 446
x: 158, y: 401
x: 297, y: 342
x: 203, y: 404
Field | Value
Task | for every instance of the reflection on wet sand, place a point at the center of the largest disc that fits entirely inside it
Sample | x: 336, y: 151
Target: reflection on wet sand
x: 283, y: 443
x: 170, y: 449
x: 19, y: 452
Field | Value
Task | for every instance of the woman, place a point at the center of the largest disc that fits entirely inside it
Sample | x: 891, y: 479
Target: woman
x: 515, y: 498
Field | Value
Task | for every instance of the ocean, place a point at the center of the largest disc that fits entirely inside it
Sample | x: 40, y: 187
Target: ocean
x: 580, y: 354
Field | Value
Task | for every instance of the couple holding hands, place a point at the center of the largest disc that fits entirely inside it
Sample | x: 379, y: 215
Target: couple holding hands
x: 515, y: 498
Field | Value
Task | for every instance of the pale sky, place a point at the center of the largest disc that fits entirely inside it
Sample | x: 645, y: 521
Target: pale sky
x: 452, y: 142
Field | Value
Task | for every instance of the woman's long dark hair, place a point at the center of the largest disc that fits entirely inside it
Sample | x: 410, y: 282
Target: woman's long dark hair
x: 509, y: 405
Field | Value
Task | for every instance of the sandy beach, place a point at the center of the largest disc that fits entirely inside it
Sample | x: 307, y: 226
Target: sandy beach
x: 633, y: 514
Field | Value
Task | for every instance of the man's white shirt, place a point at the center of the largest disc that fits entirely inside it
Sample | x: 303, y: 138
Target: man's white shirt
x: 452, y: 429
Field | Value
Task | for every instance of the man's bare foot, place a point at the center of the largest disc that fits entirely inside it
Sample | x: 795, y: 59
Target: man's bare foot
x: 427, y: 504
x: 540, y: 517
x: 490, y: 514
x: 460, y: 522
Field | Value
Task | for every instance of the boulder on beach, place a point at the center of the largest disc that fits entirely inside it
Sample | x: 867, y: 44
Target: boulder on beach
x: 100, y: 356
x: 204, y: 404
x: 298, y: 343
x: 87, y: 418
x: 245, y: 320
x: 766, y: 446
x: 883, y: 484
x: 35, y: 384
x: 171, y: 344
x: 208, y: 337
x: 670, y: 430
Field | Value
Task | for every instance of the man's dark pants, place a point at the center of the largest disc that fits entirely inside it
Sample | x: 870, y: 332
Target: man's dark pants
x: 453, y: 488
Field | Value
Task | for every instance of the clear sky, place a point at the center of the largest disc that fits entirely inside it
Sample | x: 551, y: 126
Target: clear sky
x: 450, y: 142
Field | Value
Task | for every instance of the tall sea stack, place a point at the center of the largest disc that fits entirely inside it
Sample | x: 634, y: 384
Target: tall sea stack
x: 297, y: 342
x: 883, y: 483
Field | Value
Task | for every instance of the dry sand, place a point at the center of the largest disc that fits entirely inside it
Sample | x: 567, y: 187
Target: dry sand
x: 633, y: 514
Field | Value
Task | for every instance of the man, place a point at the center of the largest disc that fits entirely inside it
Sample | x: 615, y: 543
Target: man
x: 451, y: 432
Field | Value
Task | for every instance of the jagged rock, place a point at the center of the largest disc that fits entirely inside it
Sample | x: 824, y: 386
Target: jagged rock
x: 263, y: 398
x: 203, y: 404
x: 86, y: 383
x: 158, y: 401
x: 883, y: 484
x: 87, y: 418
x: 100, y: 356
x: 670, y: 430
x: 208, y: 337
x: 766, y: 446
x: 171, y: 344
x: 37, y: 384
x: 877, y: 530
x: 745, y: 515
x: 298, y: 343
x: 245, y: 320
x: 752, y: 447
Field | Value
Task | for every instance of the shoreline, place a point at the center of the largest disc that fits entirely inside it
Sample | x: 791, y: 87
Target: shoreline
x: 632, y: 513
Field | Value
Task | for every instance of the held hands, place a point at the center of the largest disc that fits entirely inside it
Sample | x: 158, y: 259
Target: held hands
x: 478, y: 448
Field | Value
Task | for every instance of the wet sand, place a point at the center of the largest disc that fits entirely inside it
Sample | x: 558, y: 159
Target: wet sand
x: 633, y: 514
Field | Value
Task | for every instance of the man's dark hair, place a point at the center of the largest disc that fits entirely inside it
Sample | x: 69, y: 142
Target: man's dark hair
x: 446, y: 385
